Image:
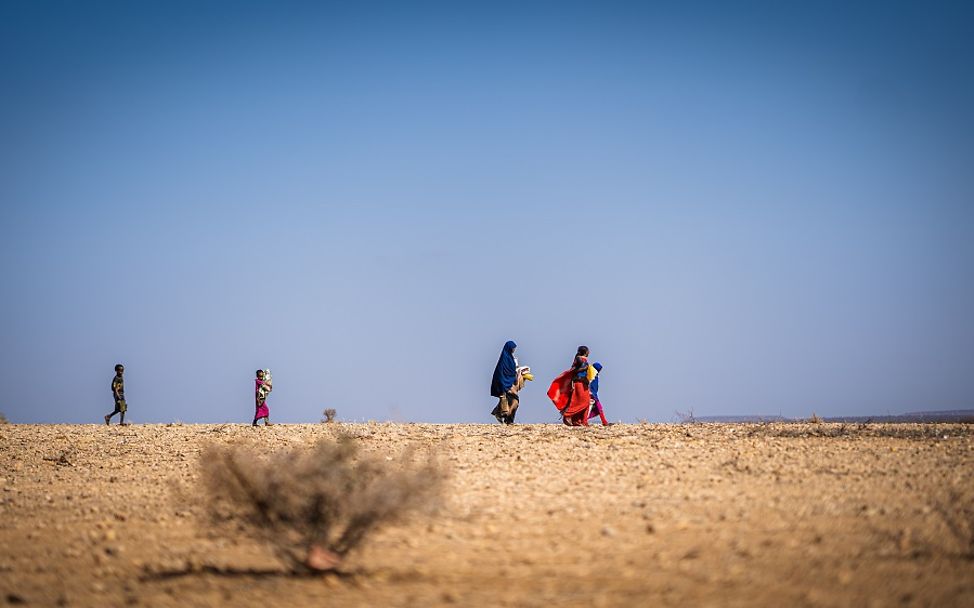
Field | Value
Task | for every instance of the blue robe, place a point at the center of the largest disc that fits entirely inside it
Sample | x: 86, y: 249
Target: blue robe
x: 505, y: 374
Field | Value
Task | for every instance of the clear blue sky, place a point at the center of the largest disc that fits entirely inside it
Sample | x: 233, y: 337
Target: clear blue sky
x: 740, y: 207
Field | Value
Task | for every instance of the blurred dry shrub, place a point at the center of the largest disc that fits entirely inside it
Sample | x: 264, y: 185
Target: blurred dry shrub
x: 329, y: 415
x: 315, y: 505
x: 3, y: 419
x: 949, y: 535
x: 956, y: 509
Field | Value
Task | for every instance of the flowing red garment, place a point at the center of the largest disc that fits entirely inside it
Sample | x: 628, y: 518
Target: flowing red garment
x: 571, y: 398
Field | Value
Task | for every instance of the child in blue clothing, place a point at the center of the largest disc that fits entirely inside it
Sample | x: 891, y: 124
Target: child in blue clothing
x: 596, y: 409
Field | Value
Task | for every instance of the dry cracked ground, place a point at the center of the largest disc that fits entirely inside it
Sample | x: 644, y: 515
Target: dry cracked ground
x: 534, y: 515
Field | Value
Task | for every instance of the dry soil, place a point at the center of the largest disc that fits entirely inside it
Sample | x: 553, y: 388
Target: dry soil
x: 534, y: 515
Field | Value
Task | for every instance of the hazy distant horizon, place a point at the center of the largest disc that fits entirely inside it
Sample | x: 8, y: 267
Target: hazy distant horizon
x: 740, y: 208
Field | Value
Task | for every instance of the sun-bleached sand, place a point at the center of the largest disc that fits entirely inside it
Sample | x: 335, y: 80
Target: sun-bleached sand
x: 534, y: 515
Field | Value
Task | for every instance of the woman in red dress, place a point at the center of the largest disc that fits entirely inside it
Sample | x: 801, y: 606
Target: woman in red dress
x: 570, y: 391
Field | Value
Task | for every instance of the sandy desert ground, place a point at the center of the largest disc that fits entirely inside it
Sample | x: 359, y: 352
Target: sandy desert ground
x: 534, y: 515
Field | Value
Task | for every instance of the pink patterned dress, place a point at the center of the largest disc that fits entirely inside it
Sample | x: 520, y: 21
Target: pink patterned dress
x: 260, y: 401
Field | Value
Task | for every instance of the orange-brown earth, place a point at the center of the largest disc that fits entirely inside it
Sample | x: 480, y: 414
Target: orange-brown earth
x: 534, y: 515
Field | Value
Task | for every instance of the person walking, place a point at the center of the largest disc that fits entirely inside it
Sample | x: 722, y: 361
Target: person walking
x: 505, y: 384
x: 262, y: 388
x: 118, y: 393
x: 570, y: 390
x: 593, y: 387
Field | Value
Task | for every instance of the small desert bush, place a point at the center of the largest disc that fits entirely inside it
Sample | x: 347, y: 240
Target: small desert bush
x: 62, y: 458
x: 3, y: 419
x: 815, y: 419
x: 329, y: 415
x: 315, y: 505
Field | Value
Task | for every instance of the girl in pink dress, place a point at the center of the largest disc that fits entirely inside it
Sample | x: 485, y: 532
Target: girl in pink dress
x: 262, y: 388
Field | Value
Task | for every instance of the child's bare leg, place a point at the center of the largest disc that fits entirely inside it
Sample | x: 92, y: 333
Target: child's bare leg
x: 108, y: 418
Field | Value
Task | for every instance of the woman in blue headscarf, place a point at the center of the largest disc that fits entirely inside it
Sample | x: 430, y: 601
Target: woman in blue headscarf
x: 504, y: 385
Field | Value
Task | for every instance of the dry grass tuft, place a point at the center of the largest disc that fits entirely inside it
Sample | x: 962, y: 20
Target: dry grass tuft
x: 314, y: 506
x: 63, y: 458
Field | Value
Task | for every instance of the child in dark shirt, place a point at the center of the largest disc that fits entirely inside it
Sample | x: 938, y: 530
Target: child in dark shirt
x: 118, y: 392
